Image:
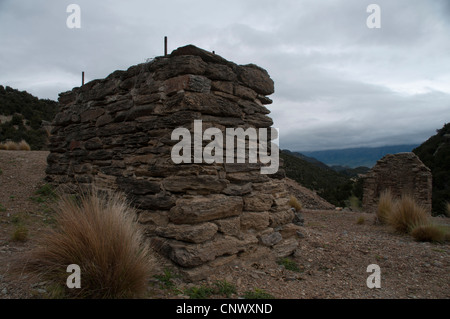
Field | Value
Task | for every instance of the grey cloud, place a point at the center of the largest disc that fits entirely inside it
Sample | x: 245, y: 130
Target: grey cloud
x: 337, y: 83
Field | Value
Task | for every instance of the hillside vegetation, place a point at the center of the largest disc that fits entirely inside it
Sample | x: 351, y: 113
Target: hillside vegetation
x: 435, y: 153
x: 25, y: 114
x: 334, y: 187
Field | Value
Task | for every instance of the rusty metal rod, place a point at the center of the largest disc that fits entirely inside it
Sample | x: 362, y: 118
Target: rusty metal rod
x: 165, y: 46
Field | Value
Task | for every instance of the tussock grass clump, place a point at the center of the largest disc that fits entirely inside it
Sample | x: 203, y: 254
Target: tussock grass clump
x: 100, y: 234
x: 23, y: 146
x: 407, y: 214
x: 13, y: 146
x: 432, y: 233
x: 385, y: 206
x: 294, y: 203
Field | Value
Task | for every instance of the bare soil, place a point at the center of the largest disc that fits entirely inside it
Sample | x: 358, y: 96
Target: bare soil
x: 332, y: 257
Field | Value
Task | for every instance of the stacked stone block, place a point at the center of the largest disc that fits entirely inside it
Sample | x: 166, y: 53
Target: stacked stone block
x: 115, y: 133
x: 402, y: 173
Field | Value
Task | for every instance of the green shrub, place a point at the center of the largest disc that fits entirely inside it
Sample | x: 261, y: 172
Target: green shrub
x: 224, y: 288
x: 201, y: 292
x: 288, y: 264
x: 257, y: 294
x: 166, y: 280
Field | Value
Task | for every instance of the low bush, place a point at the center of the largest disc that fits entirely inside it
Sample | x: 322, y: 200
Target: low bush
x: 257, y: 294
x: 289, y: 264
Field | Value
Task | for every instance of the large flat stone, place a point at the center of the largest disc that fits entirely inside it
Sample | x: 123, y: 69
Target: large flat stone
x: 202, y: 183
x: 197, y: 209
x: 189, y: 233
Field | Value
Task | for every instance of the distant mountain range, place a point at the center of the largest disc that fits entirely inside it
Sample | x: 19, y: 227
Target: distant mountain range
x: 356, y: 157
x: 345, y: 170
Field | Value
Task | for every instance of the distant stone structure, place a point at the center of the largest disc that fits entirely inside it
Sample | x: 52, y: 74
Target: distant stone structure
x: 402, y: 173
x: 115, y: 133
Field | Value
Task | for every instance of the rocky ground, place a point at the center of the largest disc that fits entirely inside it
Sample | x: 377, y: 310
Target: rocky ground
x: 332, y: 258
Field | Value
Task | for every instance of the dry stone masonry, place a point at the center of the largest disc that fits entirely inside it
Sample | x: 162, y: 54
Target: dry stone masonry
x: 115, y: 133
x: 402, y: 173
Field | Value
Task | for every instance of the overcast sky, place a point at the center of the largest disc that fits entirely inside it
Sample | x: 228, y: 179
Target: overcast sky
x: 338, y: 83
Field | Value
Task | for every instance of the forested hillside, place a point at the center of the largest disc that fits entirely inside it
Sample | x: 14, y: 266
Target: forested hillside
x: 22, y: 115
x: 336, y: 188
x: 435, y: 153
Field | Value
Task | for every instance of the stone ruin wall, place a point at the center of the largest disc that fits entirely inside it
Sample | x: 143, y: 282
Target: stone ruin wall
x: 402, y: 173
x: 115, y: 133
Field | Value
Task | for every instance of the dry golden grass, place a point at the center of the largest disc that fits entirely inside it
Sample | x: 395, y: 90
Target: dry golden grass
x: 385, y: 206
x: 294, y: 203
x: 23, y: 146
x: 407, y: 214
x: 430, y: 232
x: 100, y: 234
x: 11, y: 146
